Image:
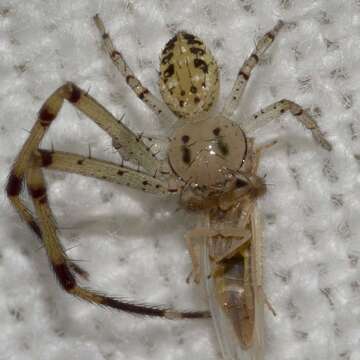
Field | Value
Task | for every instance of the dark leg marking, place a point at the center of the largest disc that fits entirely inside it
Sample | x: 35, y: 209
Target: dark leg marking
x: 46, y: 117
x: 255, y: 57
x: 137, y: 309
x: 35, y: 228
x: 75, y: 94
x: 46, y: 158
x: 244, y: 75
x: 115, y: 54
x: 38, y: 193
x: 270, y: 35
x: 14, y: 185
x: 65, y: 277
x: 143, y: 94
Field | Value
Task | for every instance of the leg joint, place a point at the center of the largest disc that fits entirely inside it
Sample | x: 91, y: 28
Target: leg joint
x: 72, y: 93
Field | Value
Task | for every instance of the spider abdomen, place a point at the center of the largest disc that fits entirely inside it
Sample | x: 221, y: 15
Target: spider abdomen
x: 189, y: 76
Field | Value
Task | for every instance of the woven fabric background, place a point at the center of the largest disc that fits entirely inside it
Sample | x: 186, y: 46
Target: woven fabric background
x: 132, y: 243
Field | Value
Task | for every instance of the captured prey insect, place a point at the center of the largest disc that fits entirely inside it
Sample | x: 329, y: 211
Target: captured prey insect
x: 211, y: 164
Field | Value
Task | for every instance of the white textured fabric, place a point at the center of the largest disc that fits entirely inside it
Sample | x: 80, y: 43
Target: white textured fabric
x: 131, y: 243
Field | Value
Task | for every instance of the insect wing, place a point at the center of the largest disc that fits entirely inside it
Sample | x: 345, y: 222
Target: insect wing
x: 239, y: 320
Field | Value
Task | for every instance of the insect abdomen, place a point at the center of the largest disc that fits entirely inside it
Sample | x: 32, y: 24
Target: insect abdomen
x: 189, y: 76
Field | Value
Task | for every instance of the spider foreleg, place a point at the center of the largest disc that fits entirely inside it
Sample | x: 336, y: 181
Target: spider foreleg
x: 106, y: 170
x: 144, y: 94
x: 60, y: 263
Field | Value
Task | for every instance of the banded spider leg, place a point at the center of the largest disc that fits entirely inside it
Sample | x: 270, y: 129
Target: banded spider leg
x: 28, y: 167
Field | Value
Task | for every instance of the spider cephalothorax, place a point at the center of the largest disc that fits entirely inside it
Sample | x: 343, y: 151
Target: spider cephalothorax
x: 207, y: 152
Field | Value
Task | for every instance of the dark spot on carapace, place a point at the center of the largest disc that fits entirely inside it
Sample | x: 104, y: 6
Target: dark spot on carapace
x: 182, y: 93
x: 199, y: 63
x: 197, y: 51
x: 186, y: 154
x: 181, y: 103
x: 216, y: 131
x: 196, y: 99
x: 157, y: 186
x: 120, y: 172
x: 167, y: 58
x: 145, y: 182
x: 65, y: 277
x: 75, y: 94
x: 185, y: 139
x: 105, y: 35
x: 282, y: 111
x: 80, y: 162
x: 299, y: 113
x: 191, y: 39
x: 169, y: 71
x: 223, y: 147
x: 14, y: 184
x: 193, y: 89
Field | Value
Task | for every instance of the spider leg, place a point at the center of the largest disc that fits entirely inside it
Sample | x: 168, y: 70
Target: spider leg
x: 244, y: 73
x: 131, y: 144
x: 122, y: 135
x: 28, y: 218
x: 144, y: 94
x: 60, y: 263
x: 273, y: 111
x: 105, y: 170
